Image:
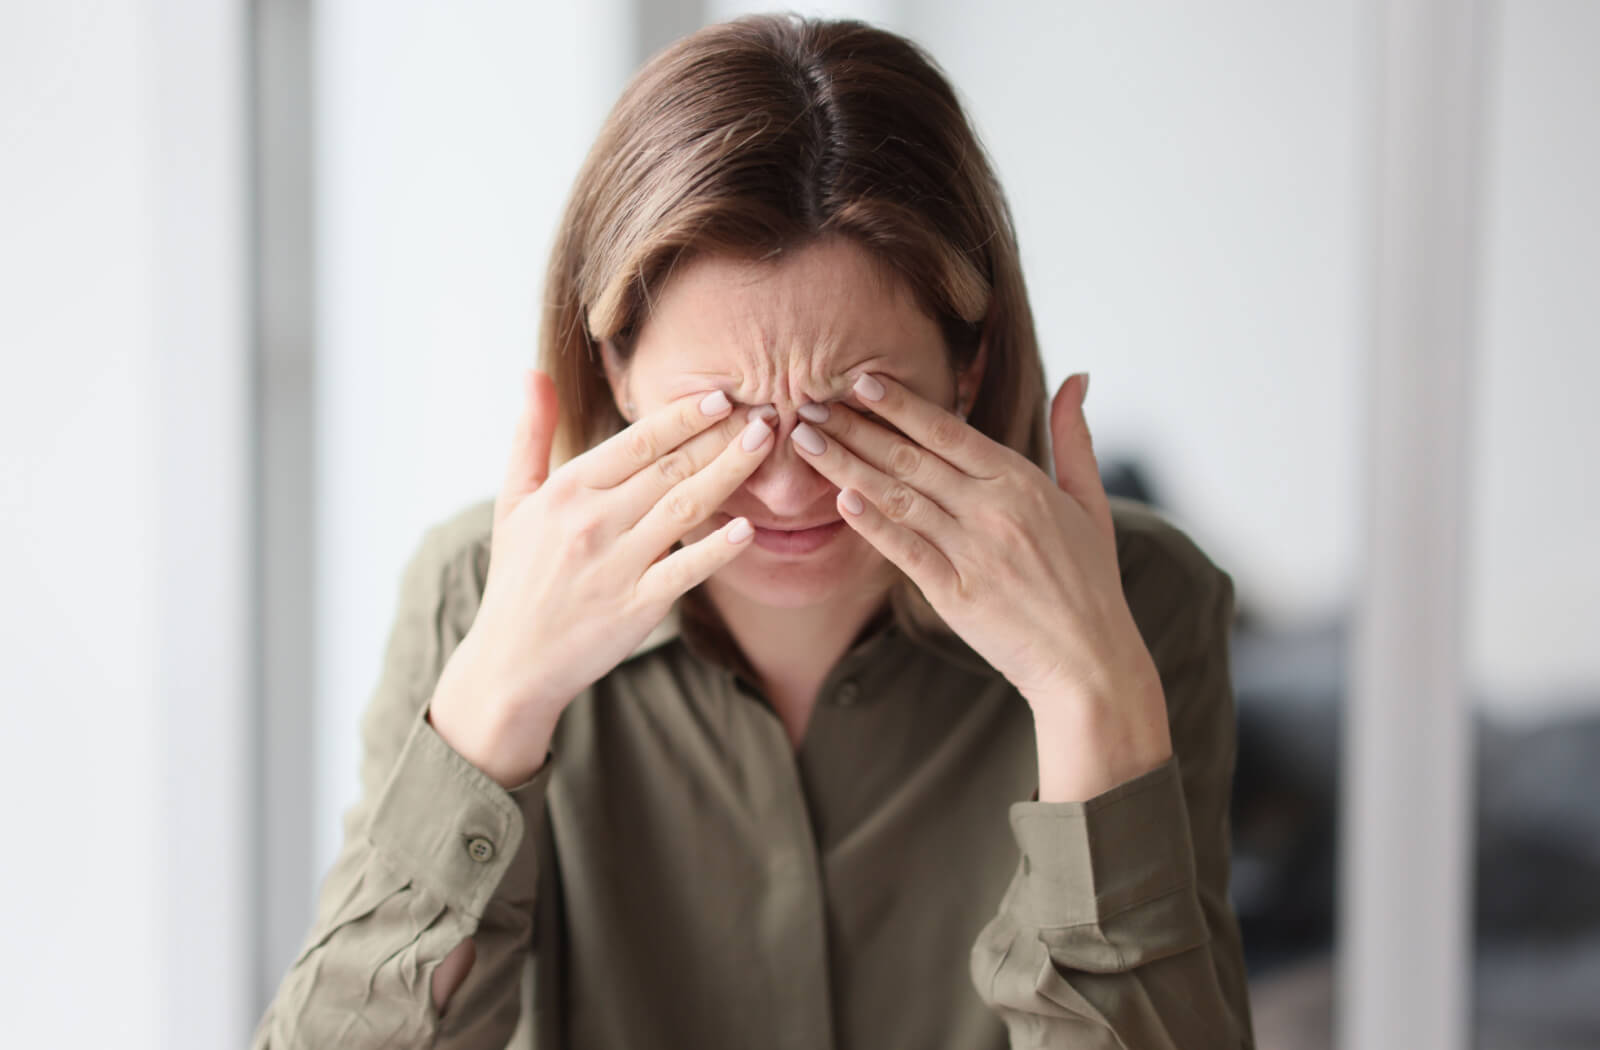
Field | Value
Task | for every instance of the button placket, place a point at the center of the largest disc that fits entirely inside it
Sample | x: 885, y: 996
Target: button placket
x: 790, y: 920
x: 844, y: 687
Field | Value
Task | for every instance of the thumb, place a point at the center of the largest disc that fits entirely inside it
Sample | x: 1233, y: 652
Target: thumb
x: 529, y: 463
x: 1077, y: 471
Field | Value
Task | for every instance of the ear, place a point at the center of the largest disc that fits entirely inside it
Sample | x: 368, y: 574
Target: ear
x: 970, y: 378
x: 616, y: 376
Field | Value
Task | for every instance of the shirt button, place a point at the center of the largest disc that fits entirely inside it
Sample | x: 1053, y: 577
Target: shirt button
x: 480, y: 849
x: 849, y: 692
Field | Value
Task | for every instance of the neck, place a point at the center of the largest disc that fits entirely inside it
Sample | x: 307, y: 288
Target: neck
x: 793, y: 649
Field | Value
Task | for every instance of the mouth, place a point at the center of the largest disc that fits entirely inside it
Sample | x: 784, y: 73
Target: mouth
x: 797, y: 540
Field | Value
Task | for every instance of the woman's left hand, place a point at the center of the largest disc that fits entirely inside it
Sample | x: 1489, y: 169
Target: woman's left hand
x: 1023, y: 568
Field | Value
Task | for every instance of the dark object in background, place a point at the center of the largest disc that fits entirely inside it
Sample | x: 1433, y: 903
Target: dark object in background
x: 1537, y: 849
x: 1539, y: 830
x: 1124, y: 477
x: 1285, y: 816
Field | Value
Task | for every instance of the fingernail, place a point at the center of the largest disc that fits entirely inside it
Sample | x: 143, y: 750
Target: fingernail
x: 715, y: 403
x: 808, y: 439
x: 852, y: 501
x: 755, y: 434
x: 815, y: 412
x: 766, y: 412
x: 740, y: 531
x: 1083, y: 395
x: 868, y: 388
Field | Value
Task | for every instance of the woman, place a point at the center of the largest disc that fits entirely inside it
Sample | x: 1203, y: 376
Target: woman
x: 789, y: 641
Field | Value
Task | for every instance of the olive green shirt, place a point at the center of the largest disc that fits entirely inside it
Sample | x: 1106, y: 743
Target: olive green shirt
x: 679, y: 874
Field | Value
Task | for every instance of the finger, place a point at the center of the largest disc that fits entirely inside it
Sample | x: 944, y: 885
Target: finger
x: 937, y: 429
x: 645, y: 440
x: 695, y: 498
x: 529, y: 463
x: 633, y: 499
x: 671, y: 576
x: 1077, y: 471
x: 893, y: 454
x: 910, y: 552
x: 896, y: 500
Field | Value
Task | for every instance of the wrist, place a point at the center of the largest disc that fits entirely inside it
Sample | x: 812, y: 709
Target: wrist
x: 506, y: 739
x: 509, y: 770
x: 1088, y: 745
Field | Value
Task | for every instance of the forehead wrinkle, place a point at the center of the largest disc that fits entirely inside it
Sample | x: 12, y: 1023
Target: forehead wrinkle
x: 819, y: 374
x: 781, y: 358
x: 765, y: 332
x: 773, y: 350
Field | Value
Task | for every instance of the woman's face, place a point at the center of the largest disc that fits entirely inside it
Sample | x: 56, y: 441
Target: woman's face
x: 782, y: 333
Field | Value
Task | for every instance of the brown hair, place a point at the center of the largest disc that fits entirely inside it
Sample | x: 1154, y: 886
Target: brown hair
x: 758, y: 135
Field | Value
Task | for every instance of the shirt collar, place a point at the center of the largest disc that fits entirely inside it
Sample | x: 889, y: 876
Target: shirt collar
x: 689, y: 620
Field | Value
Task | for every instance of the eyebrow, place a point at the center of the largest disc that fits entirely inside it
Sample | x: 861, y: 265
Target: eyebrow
x: 879, y: 361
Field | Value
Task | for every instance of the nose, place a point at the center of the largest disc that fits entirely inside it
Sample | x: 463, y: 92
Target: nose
x: 785, y: 483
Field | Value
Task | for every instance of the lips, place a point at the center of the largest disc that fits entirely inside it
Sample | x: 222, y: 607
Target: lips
x: 786, y: 527
x: 798, y: 541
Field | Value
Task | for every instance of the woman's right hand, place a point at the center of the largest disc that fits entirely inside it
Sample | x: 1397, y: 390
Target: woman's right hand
x: 581, y: 567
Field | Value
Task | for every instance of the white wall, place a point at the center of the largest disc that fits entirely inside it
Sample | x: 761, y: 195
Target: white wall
x: 1535, y: 611
x: 81, y: 745
x: 447, y: 136
x: 122, y: 424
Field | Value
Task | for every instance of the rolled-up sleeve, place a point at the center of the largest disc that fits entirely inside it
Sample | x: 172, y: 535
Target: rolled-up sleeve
x: 434, y: 852
x: 1116, y: 929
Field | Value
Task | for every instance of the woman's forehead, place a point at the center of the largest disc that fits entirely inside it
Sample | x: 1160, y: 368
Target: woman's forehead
x: 816, y: 316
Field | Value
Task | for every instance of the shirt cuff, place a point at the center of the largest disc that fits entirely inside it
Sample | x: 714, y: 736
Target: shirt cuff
x: 1109, y: 883
x: 446, y: 824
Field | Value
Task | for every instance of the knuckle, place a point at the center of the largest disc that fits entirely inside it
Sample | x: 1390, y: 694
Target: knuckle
x: 639, y: 446
x: 673, y: 467
x: 897, y: 503
x: 945, y: 433
x: 642, y: 599
x: 584, y: 536
x: 1012, y: 531
x: 675, y: 576
x: 918, y: 554
x: 1000, y: 519
x: 683, y: 508
x: 561, y: 487
x: 904, y: 460
x: 1009, y: 491
x: 1038, y: 499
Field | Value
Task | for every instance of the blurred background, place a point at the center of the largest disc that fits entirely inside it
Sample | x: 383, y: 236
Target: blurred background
x: 268, y: 272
